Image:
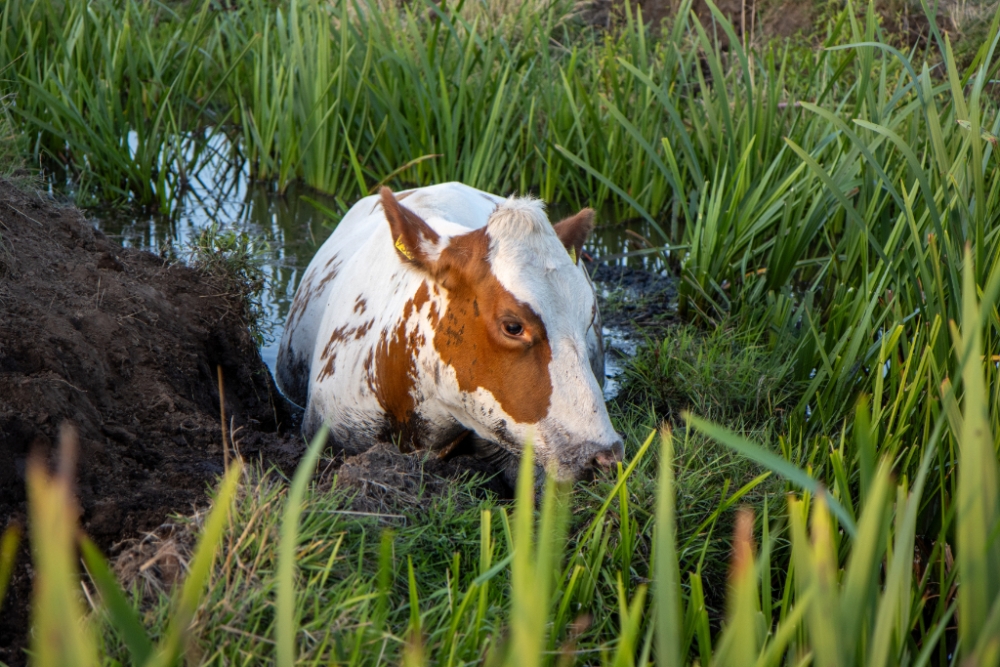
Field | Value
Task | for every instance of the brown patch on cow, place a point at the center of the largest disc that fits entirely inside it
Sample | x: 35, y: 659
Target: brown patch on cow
x: 328, y: 367
x: 433, y: 316
x: 573, y: 231
x: 395, y: 372
x: 360, y: 304
x: 392, y: 370
x: 309, y: 289
x: 420, y: 297
x: 369, y: 366
x: 339, y: 335
x: 470, y: 340
x: 360, y: 332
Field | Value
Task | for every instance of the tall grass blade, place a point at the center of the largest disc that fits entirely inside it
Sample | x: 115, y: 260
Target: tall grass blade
x: 59, y: 636
x: 123, y: 617
x: 978, y: 549
x: 773, y: 462
x: 666, y: 585
x: 286, y: 622
x: 199, y: 572
x: 8, y: 557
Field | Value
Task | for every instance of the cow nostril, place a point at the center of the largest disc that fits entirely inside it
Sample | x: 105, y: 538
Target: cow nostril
x: 607, y: 458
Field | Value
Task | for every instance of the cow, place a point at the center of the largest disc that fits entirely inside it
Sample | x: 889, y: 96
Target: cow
x: 444, y: 312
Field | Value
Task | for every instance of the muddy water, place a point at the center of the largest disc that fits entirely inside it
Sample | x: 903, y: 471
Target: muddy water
x: 295, y: 226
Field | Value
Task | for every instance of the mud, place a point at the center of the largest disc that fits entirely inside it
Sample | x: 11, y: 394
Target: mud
x: 385, y: 480
x: 904, y: 23
x: 633, y: 300
x: 125, y: 346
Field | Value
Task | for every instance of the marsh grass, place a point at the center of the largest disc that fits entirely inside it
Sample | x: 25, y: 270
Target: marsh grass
x: 11, y: 155
x: 12, y: 144
x: 484, y: 566
x: 346, y: 96
x: 456, y: 579
x: 728, y: 373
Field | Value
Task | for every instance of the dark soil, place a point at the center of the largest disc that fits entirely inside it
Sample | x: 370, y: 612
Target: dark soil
x: 902, y: 21
x: 634, y: 300
x: 125, y: 347
x: 385, y: 480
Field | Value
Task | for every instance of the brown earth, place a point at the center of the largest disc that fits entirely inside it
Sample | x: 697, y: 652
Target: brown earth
x: 124, y: 346
x: 902, y: 20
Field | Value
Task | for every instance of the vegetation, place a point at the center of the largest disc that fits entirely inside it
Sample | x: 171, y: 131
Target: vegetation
x: 832, y: 214
x: 10, y: 156
x: 235, y: 259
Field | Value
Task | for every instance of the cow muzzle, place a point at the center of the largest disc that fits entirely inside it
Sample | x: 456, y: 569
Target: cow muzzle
x: 607, y: 458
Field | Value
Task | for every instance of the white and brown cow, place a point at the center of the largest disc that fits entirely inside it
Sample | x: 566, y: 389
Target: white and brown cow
x: 445, y: 311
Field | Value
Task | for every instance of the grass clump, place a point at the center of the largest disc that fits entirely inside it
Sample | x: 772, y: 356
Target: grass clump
x: 728, y: 373
x: 235, y: 259
x: 12, y: 148
x: 11, y: 152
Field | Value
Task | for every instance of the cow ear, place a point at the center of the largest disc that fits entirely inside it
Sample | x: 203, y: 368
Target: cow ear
x: 413, y: 238
x: 573, y: 231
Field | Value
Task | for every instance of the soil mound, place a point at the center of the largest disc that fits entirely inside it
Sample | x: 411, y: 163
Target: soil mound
x: 383, y: 479
x: 125, y: 346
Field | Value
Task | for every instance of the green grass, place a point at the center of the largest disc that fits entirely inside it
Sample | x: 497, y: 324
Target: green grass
x: 11, y: 143
x: 729, y: 373
x: 833, y: 219
x: 11, y: 156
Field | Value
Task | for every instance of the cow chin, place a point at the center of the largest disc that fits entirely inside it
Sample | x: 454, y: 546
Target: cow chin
x: 569, y: 459
x: 581, y: 461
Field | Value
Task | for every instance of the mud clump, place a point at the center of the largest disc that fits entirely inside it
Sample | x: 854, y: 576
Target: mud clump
x: 382, y: 479
x: 124, y: 346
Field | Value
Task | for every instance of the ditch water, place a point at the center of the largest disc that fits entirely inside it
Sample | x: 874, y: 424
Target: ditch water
x: 294, y: 228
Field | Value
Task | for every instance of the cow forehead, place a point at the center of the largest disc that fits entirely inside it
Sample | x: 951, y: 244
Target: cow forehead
x: 561, y: 296
x: 539, y: 272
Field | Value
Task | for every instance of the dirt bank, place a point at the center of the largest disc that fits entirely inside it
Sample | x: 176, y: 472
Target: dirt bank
x: 124, y: 346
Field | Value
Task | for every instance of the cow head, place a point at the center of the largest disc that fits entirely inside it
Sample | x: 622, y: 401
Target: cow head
x: 512, y: 331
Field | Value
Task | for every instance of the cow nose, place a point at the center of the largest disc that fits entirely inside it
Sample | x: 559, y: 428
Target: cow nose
x: 609, y: 456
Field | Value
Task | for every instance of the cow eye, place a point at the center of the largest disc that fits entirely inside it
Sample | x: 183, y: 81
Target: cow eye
x: 513, y: 329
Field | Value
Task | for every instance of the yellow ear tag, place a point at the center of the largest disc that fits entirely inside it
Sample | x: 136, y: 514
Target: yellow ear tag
x: 401, y: 247
x: 572, y: 253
